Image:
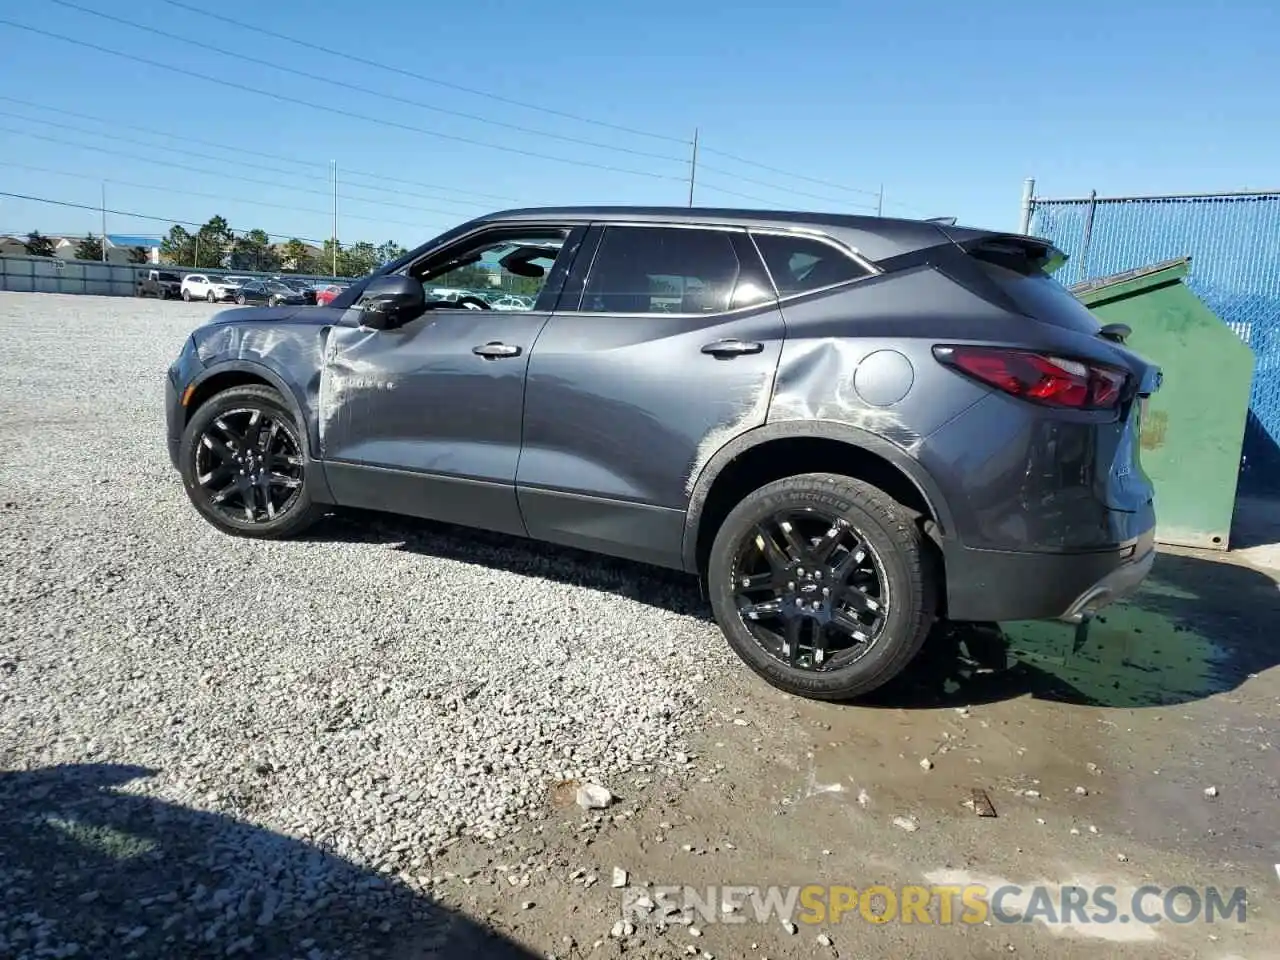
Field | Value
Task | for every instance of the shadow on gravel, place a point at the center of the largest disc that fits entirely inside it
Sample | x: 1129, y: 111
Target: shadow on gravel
x: 654, y: 586
x: 1198, y: 626
x: 89, y: 871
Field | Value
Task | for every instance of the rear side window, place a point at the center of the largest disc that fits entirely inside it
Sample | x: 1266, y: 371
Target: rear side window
x: 801, y: 264
x: 662, y: 270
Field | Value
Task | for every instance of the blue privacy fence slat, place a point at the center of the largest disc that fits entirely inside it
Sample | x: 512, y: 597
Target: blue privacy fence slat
x: 1233, y: 240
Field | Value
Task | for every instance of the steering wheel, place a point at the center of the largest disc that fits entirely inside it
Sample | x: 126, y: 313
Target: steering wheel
x: 472, y: 303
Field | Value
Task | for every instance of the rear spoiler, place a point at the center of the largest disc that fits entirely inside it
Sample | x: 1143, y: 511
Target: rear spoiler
x: 1017, y: 251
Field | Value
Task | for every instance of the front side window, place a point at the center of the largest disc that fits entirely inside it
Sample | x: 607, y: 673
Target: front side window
x: 514, y: 263
x: 662, y: 270
x: 800, y: 264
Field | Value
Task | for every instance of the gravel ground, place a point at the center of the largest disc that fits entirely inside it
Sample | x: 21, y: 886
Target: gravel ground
x: 306, y: 717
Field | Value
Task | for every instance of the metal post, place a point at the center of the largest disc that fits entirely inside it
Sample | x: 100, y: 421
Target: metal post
x: 1087, y: 235
x: 335, y: 218
x: 693, y: 165
x: 104, y: 221
x: 880, y: 202
x: 1028, y: 203
x: 195, y: 257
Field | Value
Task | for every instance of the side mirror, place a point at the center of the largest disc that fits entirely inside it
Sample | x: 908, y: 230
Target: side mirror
x: 391, y: 301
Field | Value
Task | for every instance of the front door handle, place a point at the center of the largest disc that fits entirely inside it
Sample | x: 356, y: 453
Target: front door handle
x: 494, y: 349
x: 732, y: 348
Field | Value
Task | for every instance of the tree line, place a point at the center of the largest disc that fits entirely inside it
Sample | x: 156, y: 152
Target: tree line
x: 88, y: 248
x: 216, y: 246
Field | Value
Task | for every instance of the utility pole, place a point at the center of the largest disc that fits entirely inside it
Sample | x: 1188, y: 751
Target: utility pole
x: 335, y: 217
x: 693, y: 166
x: 880, y: 202
x: 1028, y: 204
x: 104, y: 221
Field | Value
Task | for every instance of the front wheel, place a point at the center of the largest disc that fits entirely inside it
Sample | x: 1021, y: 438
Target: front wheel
x: 243, y: 460
x: 241, y: 300
x: 186, y: 295
x: 822, y: 585
x: 210, y: 297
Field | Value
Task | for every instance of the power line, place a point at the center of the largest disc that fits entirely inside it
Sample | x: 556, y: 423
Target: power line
x: 346, y: 55
x: 774, y: 186
x: 784, y: 173
x: 728, y: 173
x: 215, y: 173
x: 283, y: 98
x: 362, y: 89
x: 192, y: 193
x: 240, y: 163
x: 96, y: 208
x: 256, y: 153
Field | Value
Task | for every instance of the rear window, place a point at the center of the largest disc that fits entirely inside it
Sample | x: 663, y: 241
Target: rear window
x: 1021, y: 274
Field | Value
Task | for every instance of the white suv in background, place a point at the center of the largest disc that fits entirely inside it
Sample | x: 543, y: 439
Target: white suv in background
x: 199, y: 286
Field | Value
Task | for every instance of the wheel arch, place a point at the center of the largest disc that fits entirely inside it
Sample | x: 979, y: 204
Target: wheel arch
x: 776, y: 450
x: 237, y: 373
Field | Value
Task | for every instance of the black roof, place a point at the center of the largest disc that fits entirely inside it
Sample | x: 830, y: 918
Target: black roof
x: 874, y: 237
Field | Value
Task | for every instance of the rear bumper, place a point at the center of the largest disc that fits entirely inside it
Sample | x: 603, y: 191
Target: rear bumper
x: 1005, y: 585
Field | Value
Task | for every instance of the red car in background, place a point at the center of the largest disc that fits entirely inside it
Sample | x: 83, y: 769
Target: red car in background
x: 323, y: 297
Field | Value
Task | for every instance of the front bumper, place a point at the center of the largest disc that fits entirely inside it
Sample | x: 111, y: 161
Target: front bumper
x: 173, y: 420
x: 994, y: 585
x: 182, y: 372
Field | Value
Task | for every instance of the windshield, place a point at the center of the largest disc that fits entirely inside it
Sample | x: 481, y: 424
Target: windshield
x: 167, y: 276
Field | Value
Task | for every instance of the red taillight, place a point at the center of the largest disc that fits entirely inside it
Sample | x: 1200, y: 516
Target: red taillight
x: 1055, y: 381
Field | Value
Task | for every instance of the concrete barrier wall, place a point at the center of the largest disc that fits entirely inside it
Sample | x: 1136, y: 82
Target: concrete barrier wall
x: 24, y: 274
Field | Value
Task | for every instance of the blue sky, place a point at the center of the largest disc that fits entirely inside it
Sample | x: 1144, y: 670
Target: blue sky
x: 950, y: 110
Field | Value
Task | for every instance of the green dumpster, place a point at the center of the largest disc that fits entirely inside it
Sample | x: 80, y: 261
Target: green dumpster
x: 1193, y: 429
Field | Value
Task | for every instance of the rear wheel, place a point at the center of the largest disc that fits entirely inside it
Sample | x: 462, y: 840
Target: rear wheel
x: 243, y: 462
x: 186, y: 295
x: 822, y: 585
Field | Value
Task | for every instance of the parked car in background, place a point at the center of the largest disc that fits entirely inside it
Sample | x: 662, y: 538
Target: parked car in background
x: 303, y: 287
x: 326, y: 295
x: 511, y: 302
x: 200, y: 286
x: 848, y: 428
x: 237, y: 280
x: 159, y: 283
x: 269, y: 293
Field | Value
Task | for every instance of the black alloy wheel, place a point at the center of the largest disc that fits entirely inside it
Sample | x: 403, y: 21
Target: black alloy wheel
x: 249, y: 464
x: 823, y: 585
x: 243, y: 461
x: 810, y: 589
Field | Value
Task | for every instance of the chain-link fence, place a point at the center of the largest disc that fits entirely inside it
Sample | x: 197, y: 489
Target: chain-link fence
x: 1233, y: 240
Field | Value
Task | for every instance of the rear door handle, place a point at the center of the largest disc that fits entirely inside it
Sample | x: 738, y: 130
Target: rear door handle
x: 494, y: 349
x: 732, y: 348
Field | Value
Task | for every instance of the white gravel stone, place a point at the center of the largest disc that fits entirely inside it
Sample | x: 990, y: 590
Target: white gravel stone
x: 373, y: 691
x: 592, y: 796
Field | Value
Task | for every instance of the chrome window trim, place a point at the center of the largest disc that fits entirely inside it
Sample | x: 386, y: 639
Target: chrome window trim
x: 873, y: 270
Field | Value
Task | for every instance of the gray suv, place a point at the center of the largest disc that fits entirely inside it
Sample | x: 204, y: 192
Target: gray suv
x: 847, y: 427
